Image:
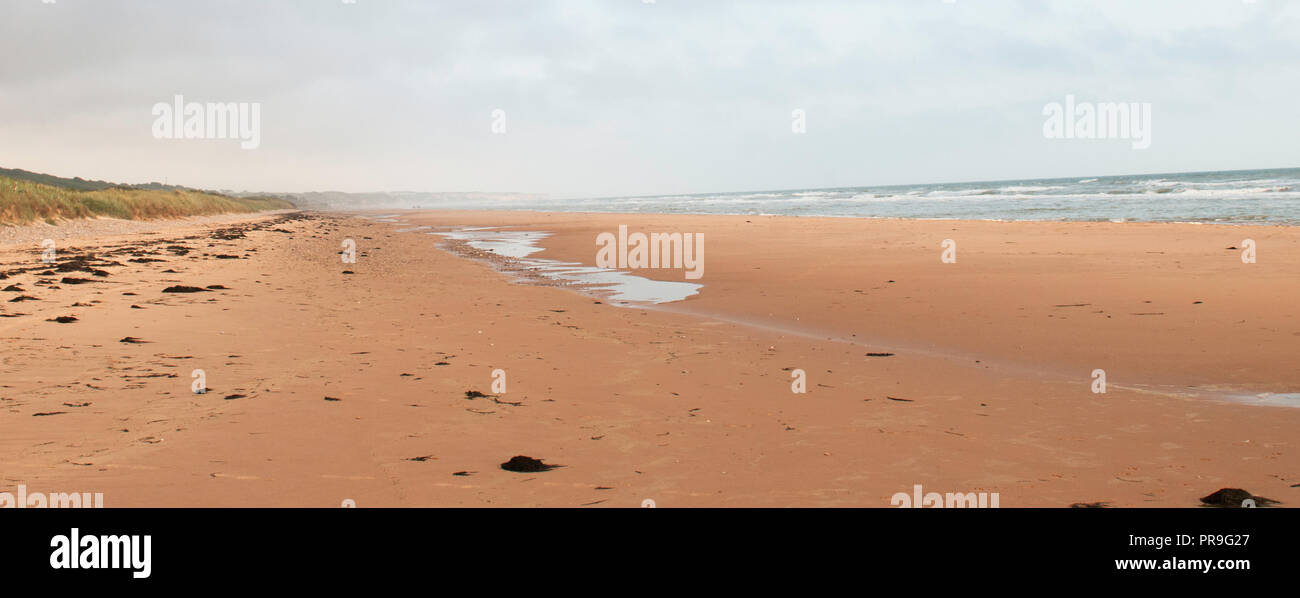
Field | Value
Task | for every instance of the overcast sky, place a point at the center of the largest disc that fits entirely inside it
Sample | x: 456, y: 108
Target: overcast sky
x: 625, y: 97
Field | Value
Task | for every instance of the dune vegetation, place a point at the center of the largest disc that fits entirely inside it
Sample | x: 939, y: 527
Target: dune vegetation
x: 24, y: 202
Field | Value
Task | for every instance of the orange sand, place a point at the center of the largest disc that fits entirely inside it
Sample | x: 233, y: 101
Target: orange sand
x: 688, y: 404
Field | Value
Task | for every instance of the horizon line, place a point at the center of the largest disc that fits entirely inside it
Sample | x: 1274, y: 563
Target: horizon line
x: 648, y: 195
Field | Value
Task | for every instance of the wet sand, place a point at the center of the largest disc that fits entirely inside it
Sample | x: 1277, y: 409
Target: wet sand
x: 327, y: 386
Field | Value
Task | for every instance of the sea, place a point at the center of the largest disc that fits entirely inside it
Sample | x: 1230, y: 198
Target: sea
x: 1269, y: 197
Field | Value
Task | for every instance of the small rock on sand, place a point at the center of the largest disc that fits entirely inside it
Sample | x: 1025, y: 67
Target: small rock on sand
x: 523, y: 464
x: 1235, y: 498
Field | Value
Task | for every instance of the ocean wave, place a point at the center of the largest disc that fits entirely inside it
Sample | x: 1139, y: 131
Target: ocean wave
x: 1033, y: 188
x: 873, y: 197
x: 1259, y: 197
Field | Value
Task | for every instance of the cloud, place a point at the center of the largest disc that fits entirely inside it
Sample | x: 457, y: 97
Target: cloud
x: 623, y: 97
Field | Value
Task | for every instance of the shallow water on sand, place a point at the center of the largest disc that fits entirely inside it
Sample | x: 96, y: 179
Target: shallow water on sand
x: 617, y: 286
x: 1279, y: 399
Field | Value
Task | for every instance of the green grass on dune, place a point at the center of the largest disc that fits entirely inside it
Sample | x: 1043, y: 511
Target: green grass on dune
x: 24, y: 202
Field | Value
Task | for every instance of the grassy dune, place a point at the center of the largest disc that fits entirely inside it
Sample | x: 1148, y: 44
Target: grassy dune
x: 24, y: 202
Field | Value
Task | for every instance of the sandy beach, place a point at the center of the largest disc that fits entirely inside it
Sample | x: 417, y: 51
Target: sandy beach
x: 331, y: 381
